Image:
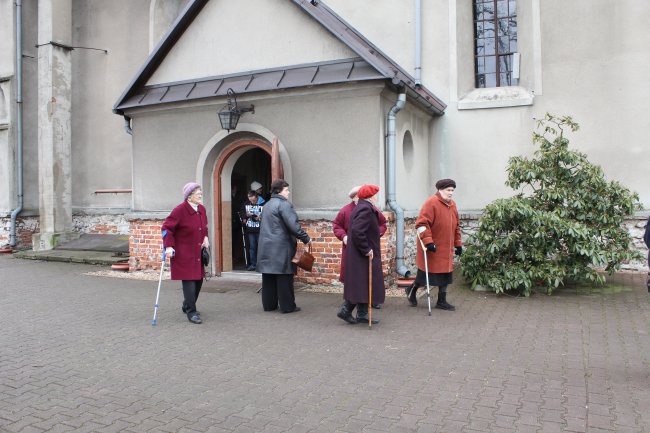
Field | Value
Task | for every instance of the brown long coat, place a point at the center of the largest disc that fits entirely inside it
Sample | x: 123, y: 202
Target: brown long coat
x: 440, y: 219
x: 363, y: 235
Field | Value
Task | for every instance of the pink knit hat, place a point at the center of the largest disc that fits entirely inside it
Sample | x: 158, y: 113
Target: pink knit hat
x: 189, y: 188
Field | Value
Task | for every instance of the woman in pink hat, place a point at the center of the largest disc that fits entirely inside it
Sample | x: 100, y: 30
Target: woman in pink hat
x: 185, y: 232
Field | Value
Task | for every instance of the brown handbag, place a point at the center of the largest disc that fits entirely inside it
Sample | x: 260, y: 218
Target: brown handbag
x: 304, y: 259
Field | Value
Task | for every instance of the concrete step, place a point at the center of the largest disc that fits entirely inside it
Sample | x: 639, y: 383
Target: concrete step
x: 88, y: 257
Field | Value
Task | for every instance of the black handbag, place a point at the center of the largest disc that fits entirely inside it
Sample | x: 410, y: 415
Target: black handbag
x: 205, y: 256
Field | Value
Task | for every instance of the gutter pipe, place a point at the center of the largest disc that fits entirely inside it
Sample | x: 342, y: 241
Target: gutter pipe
x: 127, y: 125
x: 391, y: 180
x: 19, y: 120
x: 418, y: 42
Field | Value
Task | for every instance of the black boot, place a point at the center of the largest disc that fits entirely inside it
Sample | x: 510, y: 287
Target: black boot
x: 362, y: 314
x: 411, y: 294
x: 345, y: 313
x: 442, y: 302
x: 648, y: 283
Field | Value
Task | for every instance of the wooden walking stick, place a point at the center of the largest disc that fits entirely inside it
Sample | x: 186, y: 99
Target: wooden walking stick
x: 369, y: 292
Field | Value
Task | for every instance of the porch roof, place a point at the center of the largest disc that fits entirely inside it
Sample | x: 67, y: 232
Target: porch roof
x: 313, y: 74
x: 372, y: 64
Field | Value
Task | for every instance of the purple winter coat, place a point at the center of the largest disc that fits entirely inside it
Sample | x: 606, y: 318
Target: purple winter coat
x: 363, y: 235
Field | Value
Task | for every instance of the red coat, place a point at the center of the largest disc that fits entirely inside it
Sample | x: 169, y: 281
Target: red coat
x: 440, y: 219
x: 340, y: 228
x: 186, y: 229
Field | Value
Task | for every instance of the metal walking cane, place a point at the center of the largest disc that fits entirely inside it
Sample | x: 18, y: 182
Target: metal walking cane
x: 369, y: 292
x: 162, y: 268
x: 243, y: 237
x: 426, y: 264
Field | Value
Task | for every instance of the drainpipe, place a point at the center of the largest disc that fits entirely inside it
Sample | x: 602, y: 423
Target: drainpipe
x: 418, y: 42
x: 127, y: 125
x: 391, y: 180
x: 19, y: 119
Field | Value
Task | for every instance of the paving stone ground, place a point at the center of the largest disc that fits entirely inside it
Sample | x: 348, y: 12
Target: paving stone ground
x: 78, y: 354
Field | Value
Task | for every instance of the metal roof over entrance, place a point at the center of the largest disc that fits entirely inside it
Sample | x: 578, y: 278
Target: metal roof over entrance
x: 372, y: 64
x: 332, y: 72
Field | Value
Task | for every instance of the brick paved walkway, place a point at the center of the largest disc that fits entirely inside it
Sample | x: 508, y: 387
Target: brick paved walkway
x: 78, y: 354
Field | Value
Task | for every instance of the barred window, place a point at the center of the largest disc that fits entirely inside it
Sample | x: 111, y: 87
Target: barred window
x: 495, y: 43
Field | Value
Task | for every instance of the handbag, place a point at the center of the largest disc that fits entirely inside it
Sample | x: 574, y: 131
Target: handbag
x: 205, y: 256
x: 304, y: 259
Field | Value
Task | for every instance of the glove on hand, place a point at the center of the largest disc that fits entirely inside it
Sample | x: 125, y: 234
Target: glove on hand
x: 169, y: 252
x: 431, y: 247
x: 459, y: 251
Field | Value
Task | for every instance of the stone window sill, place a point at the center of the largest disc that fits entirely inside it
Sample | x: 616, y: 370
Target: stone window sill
x: 496, y: 97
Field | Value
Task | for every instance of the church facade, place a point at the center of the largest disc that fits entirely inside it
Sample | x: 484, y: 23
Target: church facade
x: 120, y: 102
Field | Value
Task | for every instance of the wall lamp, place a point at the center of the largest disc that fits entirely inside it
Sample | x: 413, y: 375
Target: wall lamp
x: 230, y: 114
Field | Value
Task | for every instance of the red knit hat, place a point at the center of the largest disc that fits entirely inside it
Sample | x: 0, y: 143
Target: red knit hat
x: 368, y: 191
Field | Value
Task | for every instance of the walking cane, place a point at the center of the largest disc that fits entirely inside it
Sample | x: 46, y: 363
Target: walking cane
x: 369, y: 292
x: 426, y: 265
x: 243, y: 237
x: 162, y: 268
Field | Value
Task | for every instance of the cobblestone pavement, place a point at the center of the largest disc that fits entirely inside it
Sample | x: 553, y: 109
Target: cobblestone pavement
x: 78, y: 354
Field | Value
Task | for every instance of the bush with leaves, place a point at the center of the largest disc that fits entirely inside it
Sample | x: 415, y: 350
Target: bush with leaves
x: 565, y: 223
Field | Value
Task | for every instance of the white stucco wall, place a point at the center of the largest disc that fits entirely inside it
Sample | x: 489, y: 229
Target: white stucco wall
x: 101, y: 149
x: 331, y: 138
x: 568, y: 62
x: 229, y: 37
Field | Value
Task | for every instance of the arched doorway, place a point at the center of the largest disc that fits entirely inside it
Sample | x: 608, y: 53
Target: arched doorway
x: 239, y: 164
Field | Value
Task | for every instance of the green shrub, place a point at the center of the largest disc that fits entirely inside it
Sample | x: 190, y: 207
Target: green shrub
x: 565, y: 222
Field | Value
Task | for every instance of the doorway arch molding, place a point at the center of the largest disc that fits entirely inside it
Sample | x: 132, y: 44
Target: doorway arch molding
x: 221, y: 151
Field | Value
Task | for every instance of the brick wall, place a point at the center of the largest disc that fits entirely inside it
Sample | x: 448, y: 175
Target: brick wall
x: 145, y: 244
x: 326, y: 249
x: 25, y: 228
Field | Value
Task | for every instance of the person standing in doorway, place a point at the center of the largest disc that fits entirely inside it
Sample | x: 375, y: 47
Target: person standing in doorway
x: 439, y: 228
x: 363, y: 245
x: 257, y: 187
x: 185, y: 232
x: 279, y: 229
x: 251, y: 212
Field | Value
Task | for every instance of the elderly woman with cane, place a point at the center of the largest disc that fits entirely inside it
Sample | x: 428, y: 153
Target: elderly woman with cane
x: 185, y: 234
x: 363, y: 250
x: 340, y: 228
x: 279, y: 228
x: 438, y: 228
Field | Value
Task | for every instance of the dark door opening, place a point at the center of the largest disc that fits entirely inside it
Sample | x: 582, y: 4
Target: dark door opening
x: 252, y: 166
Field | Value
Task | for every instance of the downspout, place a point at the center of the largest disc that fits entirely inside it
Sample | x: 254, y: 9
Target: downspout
x: 418, y: 42
x: 127, y: 125
x: 391, y: 180
x: 19, y: 120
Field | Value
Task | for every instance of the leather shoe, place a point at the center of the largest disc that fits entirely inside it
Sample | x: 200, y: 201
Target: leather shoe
x: 292, y: 311
x: 376, y: 306
x: 195, y: 318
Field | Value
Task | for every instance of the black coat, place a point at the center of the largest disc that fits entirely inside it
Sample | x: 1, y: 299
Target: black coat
x: 646, y: 237
x: 279, y: 228
x: 363, y: 235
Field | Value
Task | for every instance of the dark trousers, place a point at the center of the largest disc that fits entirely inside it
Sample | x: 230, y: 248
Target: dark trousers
x: 278, y: 288
x: 191, y: 289
x: 253, y: 239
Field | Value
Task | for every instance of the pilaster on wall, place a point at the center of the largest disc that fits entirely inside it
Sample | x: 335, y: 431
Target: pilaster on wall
x: 54, y: 122
x: 7, y: 107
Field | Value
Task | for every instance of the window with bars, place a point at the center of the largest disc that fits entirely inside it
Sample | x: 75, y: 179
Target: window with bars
x: 495, y: 43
